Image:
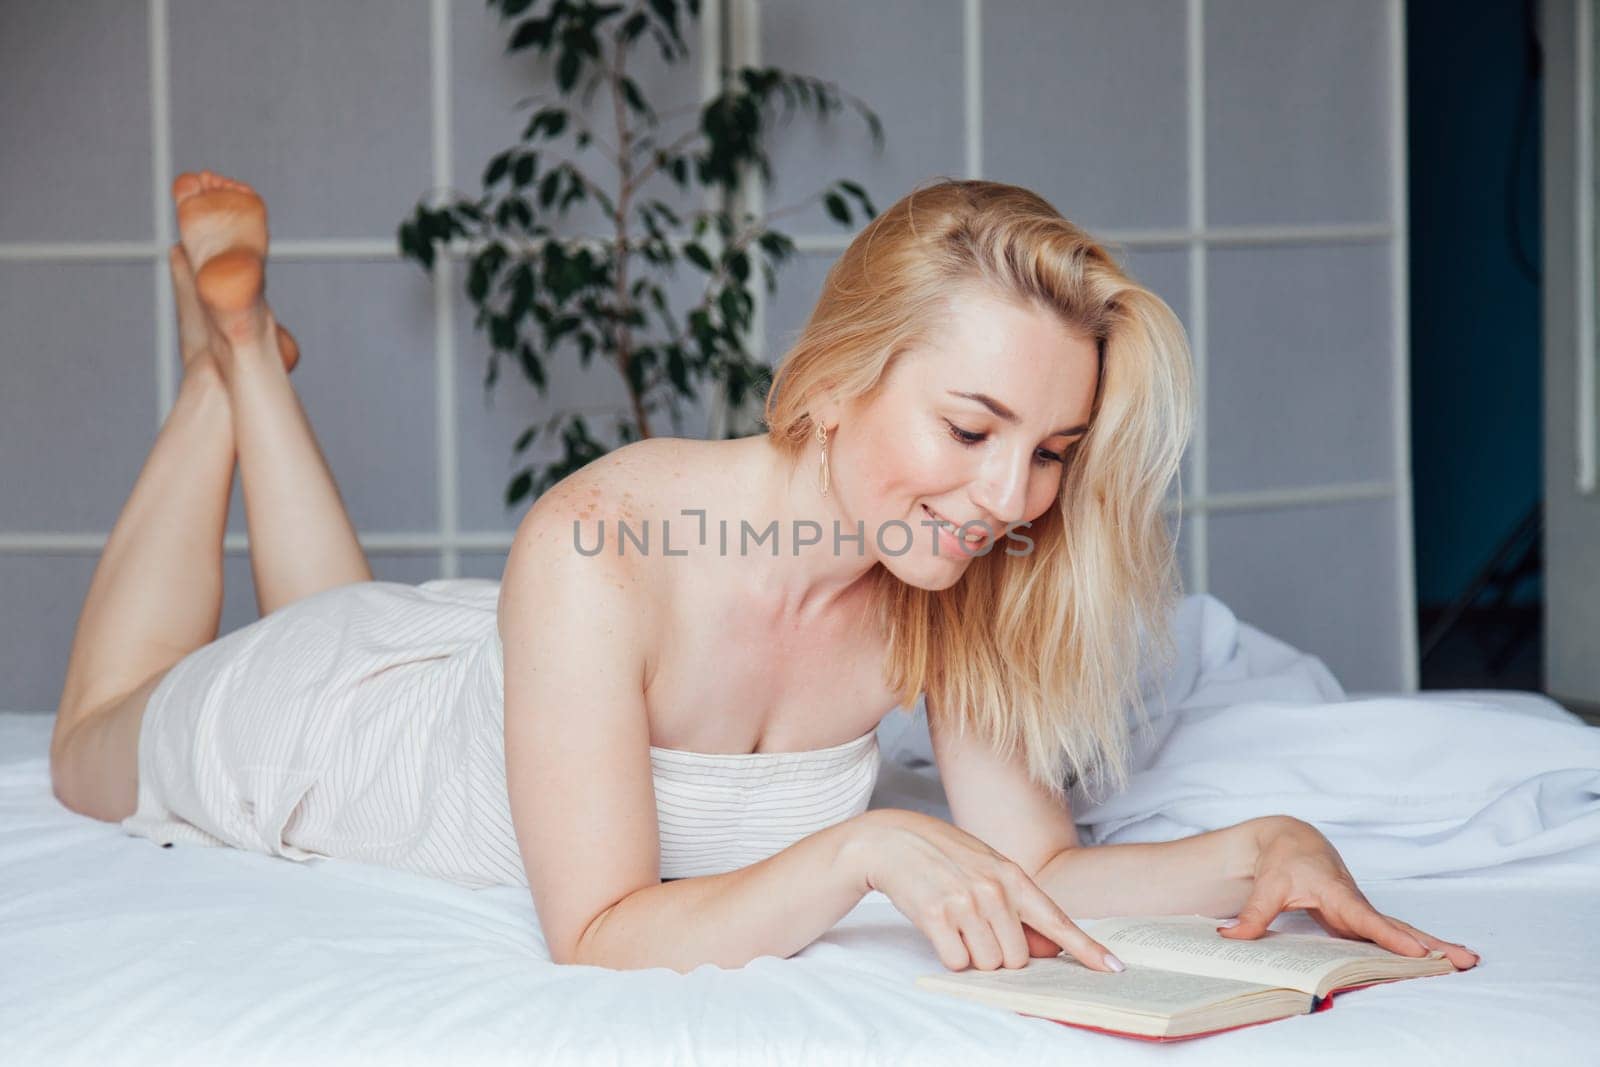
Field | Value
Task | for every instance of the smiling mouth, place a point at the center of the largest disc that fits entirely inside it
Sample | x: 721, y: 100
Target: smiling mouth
x: 973, y: 541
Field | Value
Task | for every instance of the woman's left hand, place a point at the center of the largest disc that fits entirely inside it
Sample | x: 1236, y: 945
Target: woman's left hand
x: 1297, y: 867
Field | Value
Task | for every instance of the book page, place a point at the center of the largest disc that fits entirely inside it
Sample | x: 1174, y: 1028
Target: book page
x: 1139, y: 989
x: 1191, y: 943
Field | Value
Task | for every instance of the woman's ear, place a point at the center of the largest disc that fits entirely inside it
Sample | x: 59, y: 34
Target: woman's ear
x: 825, y: 411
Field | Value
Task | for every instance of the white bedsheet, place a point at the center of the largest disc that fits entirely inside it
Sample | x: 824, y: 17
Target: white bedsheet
x: 113, y: 950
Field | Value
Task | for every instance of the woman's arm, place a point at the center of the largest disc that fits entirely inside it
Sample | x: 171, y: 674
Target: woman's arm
x: 1207, y: 874
x: 1256, y: 870
x: 772, y: 908
x: 995, y: 800
x: 577, y: 633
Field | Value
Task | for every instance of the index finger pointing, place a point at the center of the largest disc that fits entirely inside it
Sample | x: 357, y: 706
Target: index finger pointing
x: 1046, y: 916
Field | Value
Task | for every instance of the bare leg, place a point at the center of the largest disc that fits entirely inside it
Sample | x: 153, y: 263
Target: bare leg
x: 301, y: 538
x: 156, y: 593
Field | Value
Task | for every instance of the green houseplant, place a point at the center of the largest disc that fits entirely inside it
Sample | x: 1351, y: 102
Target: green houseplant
x: 540, y: 297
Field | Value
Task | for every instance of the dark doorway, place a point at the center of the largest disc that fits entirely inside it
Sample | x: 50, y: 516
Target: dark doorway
x: 1473, y: 93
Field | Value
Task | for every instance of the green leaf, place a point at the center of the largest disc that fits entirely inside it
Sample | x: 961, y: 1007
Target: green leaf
x: 520, y: 487
x: 732, y: 307
x: 678, y: 371
x: 523, y: 174
x: 502, y: 333
x: 567, y: 69
x: 478, y: 280
x: 776, y: 245
x: 631, y: 94
x: 408, y: 239
x: 521, y: 291
x: 697, y: 255
x: 634, y: 27
x: 532, y: 368
x: 739, y: 265
x: 547, y: 121
x: 667, y: 12
x: 548, y: 185
x: 836, y: 207
x: 531, y: 32
x: 860, y: 194
x: 497, y: 168
x: 525, y: 439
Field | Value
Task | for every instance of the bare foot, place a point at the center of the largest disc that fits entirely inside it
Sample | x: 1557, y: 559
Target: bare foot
x: 223, y: 228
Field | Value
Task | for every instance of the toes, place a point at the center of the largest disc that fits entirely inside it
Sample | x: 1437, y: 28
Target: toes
x: 185, y: 185
x: 210, y: 179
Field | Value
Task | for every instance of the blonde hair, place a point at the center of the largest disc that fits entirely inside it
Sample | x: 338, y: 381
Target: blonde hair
x: 1039, y: 650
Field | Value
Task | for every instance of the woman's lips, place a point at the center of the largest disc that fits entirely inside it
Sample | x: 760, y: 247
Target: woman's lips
x: 955, y: 531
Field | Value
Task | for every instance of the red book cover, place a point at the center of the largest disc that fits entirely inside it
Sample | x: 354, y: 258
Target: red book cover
x: 1318, y: 1004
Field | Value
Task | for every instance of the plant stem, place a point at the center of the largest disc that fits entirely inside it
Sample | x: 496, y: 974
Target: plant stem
x: 624, y: 337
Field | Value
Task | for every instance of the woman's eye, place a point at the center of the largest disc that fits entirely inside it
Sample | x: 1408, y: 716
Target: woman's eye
x: 1042, y: 457
x: 966, y: 437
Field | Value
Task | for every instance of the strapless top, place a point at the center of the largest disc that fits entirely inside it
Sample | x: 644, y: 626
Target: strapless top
x: 718, y: 811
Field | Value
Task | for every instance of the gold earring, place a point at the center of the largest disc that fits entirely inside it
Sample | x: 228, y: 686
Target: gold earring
x: 822, y: 478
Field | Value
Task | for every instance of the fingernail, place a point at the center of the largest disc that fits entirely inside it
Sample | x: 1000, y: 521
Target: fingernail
x: 1228, y: 924
x: 1114, y: 963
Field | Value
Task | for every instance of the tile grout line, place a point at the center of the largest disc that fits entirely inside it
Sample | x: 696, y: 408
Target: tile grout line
x: 1400, y: 354
x: 161, y: 181
x: 384, y: 249
x: 402, y: 540
x: 1199, y: 535
x: 972, y: 84
x: 445, y: 430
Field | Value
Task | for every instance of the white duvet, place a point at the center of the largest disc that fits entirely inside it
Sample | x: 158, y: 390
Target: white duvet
x: 1244, y: 725
x: 1473, y: 816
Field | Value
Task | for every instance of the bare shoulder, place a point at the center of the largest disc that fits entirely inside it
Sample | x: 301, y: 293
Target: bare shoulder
x: 626, y: 482
x: 637, y: 483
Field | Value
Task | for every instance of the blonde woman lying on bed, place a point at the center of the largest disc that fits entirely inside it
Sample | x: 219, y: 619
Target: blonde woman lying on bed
x: 666, y: 728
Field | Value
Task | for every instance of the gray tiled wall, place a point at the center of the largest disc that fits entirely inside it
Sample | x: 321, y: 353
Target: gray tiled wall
x: 326, y: 107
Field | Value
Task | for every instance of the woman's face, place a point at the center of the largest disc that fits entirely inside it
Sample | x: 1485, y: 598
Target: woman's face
x: 926, y: 447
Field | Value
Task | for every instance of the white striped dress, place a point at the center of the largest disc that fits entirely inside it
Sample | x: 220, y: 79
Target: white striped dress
x: 366, y: 722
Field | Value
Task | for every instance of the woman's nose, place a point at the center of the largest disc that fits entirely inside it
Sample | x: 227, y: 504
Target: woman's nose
x: 1002, y: 490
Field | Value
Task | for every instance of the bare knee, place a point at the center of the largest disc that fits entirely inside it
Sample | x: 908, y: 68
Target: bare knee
x: 94, y: 757
x: 64, y: 769
x: 70, y: 773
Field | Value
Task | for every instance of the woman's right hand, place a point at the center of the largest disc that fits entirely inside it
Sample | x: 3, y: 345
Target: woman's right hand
x: 974, y: 904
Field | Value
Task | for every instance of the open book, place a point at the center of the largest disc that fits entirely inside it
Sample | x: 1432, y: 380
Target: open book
x: 1184, y: 979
